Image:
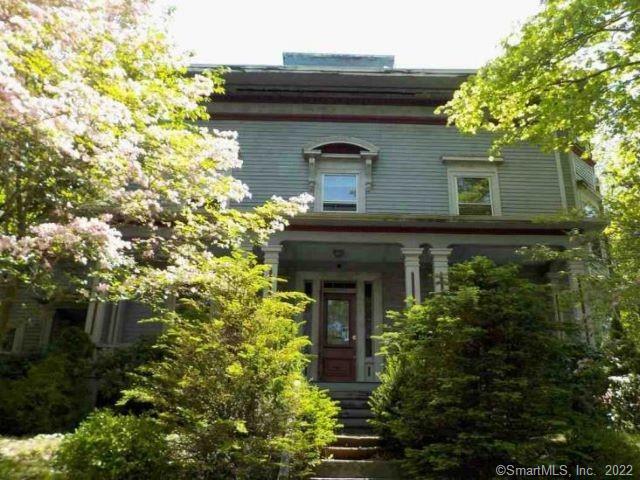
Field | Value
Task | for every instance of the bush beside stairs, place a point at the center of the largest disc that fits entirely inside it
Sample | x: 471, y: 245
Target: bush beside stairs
x: 356, y: 453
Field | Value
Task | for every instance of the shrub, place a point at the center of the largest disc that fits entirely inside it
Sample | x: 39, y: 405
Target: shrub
x: 53, y: 395
x: 230, y: 383
x: 311, y: 427
x: 113, y: 370
x: 598, y: 446
x: 25, y: 468
x: 13, y: 366
x: 29, y: 458
x: 475, y: 377
x: 623, y: 400
x: 109, y: 446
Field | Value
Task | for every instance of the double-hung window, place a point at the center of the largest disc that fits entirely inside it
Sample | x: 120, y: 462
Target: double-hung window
x: 7, y: 344
x: 340, y: 192
x: 474, y: 189
x: 474, y: 195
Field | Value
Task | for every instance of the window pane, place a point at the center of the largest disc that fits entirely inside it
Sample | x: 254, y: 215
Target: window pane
x: 337, y: 322
x: 590, y: 211
x: 339, y: 189
x: 339, y: 207
x: 7, y: 341
x: 474, y: 190
x: 474, y: 209
x: 368, y: 319
x: 64, y: 318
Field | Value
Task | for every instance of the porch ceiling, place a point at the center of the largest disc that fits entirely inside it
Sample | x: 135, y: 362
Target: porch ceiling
x: 341, y: 252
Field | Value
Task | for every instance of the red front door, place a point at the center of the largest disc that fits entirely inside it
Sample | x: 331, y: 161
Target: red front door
x: 338, y: 338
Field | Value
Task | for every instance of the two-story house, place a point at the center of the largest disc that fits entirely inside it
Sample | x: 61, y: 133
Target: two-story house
x: 399, y: 197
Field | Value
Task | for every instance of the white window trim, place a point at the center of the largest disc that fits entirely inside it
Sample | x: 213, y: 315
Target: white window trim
x: 475, y: 171
x: 340, y: 167
x: 471, y: 159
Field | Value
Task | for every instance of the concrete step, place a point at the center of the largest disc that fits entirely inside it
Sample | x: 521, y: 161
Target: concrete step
x: 358, y: 431
x: 355, y: 413
x: 351, y: 453
x: 354, y: 403
x: 357, y: 441
x: 350, y: 395
x: 355, y: 422
x: 377, y: 469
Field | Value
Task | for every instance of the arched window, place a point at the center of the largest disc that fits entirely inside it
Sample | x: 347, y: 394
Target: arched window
x: 340, y: 173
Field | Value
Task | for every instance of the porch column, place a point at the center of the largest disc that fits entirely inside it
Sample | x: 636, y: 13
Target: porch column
x: 555, y: 282
x: 115, y: 325
x: 412, y: 272
x: 440, y: 258
x: 271, y: 258
x: 576, y: 268
x: 94, y: 323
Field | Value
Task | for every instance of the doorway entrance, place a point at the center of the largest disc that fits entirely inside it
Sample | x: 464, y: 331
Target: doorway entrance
x: 348, y: 305
x: 338, y: 335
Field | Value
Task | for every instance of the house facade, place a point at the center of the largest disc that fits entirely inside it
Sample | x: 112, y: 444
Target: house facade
x: 399, y: 197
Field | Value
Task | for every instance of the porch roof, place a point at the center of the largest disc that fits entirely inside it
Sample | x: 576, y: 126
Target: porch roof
x: 418, y: 223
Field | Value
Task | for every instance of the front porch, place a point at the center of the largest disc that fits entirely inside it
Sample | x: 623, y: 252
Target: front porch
x: 355, y: 277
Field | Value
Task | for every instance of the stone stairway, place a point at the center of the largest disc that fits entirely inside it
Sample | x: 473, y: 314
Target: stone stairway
x: 356, y: 454
x: 354, y: 411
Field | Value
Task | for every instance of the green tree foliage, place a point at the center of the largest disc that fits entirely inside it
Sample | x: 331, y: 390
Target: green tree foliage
x: 113, y: 368
x: 230, y: 385
x: 571, y: 77
x: 571, y: 69
x: 53, y: 393
x: 480, y: 376
x: 107, y: 446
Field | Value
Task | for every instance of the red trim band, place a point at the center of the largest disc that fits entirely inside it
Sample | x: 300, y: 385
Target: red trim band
x: 323, y: 98
x: 277, y: 117
x: 434, y: 229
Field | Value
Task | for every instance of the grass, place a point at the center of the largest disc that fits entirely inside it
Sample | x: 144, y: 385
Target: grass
x: 28, y: 458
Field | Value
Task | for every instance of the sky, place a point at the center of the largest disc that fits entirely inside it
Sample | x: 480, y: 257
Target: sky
x: 420, y: 33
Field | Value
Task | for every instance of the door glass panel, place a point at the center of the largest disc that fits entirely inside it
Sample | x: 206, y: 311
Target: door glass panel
x: 337, y: 324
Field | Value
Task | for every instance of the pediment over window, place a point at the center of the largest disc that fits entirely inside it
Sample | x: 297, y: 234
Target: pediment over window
x: 349, y: 145
x: 339, y: 147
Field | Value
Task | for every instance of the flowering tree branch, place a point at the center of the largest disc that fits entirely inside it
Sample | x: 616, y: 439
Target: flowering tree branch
x: 99, y: 128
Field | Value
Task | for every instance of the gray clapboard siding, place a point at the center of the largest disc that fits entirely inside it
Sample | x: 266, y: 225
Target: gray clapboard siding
x: 29, y: 315
x: 393, y: 289
x: 408, y: 177
x: 132, y: 328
